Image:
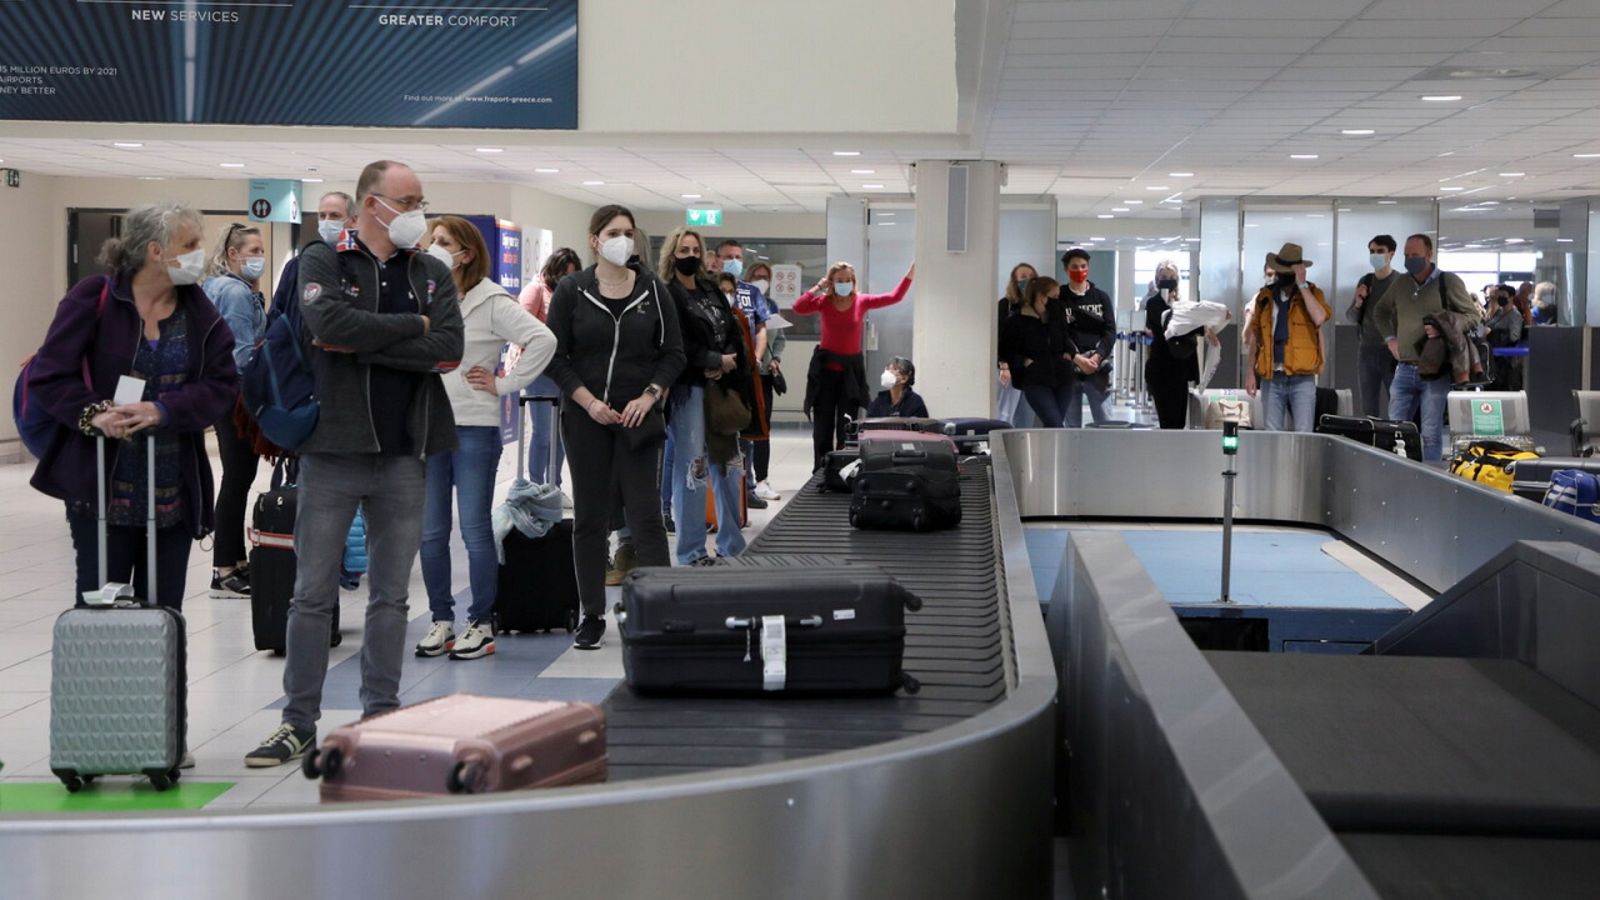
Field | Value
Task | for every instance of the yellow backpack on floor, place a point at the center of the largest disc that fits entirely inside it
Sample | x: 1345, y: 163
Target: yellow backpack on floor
x: 1486, y: 463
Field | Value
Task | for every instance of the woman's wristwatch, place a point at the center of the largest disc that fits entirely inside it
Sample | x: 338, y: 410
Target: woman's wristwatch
x: 653, y: 390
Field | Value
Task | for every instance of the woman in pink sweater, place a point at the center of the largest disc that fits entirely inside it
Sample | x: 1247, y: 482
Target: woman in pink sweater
x: 836, y: 383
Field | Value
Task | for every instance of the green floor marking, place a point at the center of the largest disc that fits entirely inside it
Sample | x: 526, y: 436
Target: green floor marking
x: 107, y: 795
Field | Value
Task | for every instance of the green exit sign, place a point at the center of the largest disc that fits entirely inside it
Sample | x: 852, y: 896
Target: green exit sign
x: 709, y: 218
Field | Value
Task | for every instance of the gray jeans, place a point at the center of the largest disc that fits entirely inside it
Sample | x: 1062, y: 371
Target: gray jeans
x: 331, y: 486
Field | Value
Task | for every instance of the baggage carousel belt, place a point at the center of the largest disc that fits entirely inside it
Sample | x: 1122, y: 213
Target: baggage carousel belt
x: 953, y: 647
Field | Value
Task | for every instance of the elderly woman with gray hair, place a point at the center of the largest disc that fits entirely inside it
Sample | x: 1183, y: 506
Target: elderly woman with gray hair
x: 147, y: 320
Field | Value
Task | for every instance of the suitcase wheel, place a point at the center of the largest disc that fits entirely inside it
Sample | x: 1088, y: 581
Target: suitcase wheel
x: 73, y: 783
x: 319, y: 763
x: 337, y: 639
x: 572, y: 620
x: 463, y: 778
x: 159, y: 780
x: 909, y: 683
x: 279, y: 653
x: 916, y: 521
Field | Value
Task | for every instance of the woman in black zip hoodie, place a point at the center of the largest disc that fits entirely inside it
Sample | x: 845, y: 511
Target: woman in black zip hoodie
x: 618, y: 347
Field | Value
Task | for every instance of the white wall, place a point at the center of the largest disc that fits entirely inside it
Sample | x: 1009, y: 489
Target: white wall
x: 34, y: 270
x: 721, y: 66
x: 741, y: 224
x: 33, y: 229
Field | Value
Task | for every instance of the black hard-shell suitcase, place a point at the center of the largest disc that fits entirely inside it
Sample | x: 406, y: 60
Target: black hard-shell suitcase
x: 1401, y: 438
x: 273, y: 563
x: 908, y: 482
x: 119, y: 670
x: 857, y: 427
x: 1531, y: 477
x: 971, y: 434
x: 537, y: 588
x: 839, y: 470
x: 717, y: 629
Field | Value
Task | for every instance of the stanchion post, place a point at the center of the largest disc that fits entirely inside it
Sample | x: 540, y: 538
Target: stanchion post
x: 1230, y: 449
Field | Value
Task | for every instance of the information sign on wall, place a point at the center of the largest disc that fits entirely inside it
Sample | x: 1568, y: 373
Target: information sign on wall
x: 274, y: 200
x: 451, y: 64
x: 785, y: 285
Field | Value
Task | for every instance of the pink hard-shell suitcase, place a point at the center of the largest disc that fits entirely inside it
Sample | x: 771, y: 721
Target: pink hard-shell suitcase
x: 462, y: 744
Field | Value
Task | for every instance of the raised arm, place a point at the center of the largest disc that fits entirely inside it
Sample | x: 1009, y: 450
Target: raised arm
x: 874, y: 301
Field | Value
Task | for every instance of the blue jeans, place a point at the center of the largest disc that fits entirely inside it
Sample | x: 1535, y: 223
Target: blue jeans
x: 689, y: 474
x: 1285, y: 395
x: 666, y: 483
x: 545, y: 453
x: 470, y: 470
x: 1407, y: 392
x: 1072, y: 413
x: 390, y: 491
x: 1048, y: 403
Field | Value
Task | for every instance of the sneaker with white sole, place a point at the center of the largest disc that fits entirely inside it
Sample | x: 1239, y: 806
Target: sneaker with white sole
x: 233, y: 586
x: 590, y: 632
x: 439, y: 640
x: 476, y: 642
x: 765, y: 491
x: 285, y: 744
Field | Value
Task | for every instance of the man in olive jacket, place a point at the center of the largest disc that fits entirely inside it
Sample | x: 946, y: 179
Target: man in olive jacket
x: 1423, y: 291
x: 381, y: 322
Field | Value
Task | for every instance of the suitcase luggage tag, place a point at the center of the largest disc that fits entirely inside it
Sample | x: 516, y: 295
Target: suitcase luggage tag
x: 774, y: 645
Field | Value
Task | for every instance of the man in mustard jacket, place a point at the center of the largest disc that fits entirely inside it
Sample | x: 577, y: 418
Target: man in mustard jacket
x: 1283, y: 337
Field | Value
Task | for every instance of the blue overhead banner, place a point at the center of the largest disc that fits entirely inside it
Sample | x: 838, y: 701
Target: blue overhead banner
x: 460, y: 64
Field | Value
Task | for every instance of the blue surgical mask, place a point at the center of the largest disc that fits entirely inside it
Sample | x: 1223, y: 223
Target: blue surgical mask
x: 1022, y: 286
x: 1416, y: 265
x: 733, y: 267
x: 844, y: 288
x: 1379, y: 261
x: 330, y: 229
x: 252, y: 267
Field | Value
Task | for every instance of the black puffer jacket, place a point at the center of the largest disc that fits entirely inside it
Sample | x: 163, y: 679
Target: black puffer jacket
x: 1026, y: 337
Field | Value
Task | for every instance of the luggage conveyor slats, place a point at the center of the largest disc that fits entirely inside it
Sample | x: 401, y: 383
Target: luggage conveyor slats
x: 953, y: 647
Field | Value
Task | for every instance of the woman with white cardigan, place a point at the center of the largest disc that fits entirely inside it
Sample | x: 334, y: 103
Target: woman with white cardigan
x: 493, y: 318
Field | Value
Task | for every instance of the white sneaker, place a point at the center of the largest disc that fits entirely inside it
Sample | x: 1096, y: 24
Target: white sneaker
x: 765, y: 492
x: 476, y: 642
x: 438, y: 641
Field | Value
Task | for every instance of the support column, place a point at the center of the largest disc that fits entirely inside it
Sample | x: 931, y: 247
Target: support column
x: 1220, y: 248
x: 958, y: 248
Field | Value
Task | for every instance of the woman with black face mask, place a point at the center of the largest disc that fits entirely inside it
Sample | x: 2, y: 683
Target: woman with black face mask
x: 1173, y: 364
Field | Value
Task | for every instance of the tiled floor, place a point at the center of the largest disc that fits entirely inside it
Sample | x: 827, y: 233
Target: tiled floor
x: 235, y: 691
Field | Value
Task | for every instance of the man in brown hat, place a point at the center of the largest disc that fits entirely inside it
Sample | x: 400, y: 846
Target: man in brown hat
x: 1283, y: 340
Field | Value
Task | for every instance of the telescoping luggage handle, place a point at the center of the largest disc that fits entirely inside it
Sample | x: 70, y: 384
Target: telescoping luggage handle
x: 111, y: 592
x: 522, y: 449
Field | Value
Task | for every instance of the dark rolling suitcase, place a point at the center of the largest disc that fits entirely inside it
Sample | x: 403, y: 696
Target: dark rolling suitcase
x: 720, y: 629
x: 857, y: 427
x: 971, y: 434
x: 118, y: 673
x: 461, y: 744
x: 839, y: 470
x: 273, y: 563
x: 908, y: 482
x: 537, y: 588
x: 1400, y: 438
x: 1531, y: 477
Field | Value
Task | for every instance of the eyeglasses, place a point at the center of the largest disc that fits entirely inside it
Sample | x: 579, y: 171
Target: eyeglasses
x: 406, y: 204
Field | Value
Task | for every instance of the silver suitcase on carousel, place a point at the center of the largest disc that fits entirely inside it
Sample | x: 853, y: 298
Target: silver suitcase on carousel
x: 118, y: 686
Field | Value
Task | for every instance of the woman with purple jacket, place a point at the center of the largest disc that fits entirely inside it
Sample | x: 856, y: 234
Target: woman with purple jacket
x: 147, y: 320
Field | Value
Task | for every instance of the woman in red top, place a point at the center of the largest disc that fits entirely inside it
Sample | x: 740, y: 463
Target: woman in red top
x: 836, y: 384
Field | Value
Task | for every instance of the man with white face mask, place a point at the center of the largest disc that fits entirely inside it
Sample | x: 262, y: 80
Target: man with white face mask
x: 382, y: 322
x: 336, y: 211
x: 752, y: 301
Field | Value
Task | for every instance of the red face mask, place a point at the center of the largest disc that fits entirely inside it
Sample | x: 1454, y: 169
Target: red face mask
x: 1078, y: 276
